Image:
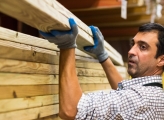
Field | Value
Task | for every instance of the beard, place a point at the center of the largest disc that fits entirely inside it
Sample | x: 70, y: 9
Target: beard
x: 132, y: 71
x: 133, y: 68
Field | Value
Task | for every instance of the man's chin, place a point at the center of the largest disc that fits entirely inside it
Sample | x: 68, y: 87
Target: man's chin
x: 132, y: 73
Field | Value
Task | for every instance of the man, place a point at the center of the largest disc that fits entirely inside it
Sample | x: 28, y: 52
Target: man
x: 141, y: 98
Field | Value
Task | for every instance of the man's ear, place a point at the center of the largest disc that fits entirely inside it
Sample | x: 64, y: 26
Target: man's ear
x: 160, y: 61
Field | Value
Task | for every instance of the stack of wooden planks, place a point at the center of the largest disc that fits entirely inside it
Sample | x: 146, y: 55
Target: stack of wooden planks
x: 29, y: 65
x: 29, y: 76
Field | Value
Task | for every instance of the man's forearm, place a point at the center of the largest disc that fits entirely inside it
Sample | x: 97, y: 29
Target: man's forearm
x: 112, y: 74
x: 69, y: 87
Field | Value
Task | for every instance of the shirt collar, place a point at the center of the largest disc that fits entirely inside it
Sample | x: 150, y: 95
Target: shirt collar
x: 140, y: 81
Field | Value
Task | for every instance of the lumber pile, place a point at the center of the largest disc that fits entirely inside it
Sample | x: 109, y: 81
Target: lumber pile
x: 29, y: 65
x: 29, y: 76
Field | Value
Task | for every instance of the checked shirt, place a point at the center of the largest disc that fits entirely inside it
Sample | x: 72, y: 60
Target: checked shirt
x: 131, y: 101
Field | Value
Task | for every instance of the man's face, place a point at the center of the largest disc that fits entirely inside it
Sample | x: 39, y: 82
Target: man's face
x: 141, y: 57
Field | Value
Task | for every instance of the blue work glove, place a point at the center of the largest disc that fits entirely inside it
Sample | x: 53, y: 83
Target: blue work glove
x: 98, y: 48
x: 63, y: 39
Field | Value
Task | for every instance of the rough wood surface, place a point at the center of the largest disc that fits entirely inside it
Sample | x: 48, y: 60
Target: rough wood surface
x: 52, y: 117
x: 32, y: 113
x: 35, y: 54
x: 15, y: 66
x: 8, y: 105
x: 36, y: 79
x: 22, y: 41
x: 48, y: 17
x: 19, y: 91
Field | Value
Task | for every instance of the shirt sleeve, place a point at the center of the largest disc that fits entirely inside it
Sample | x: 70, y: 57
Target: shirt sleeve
x: 97, y: 105
x: 113, y: 105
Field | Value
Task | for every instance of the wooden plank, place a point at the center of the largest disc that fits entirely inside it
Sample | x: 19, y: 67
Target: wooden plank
x: 27, y: 79
x: 52, y: 117
x: 61, y: 9
x: 93, y: 87
x: 19, y: 91
x: 48, y: 18
x: 15, y: 66
x: 8, y: 105
x: 37, y: 44
x: 32, y: 113
x: 35, y: 54
x: 37, y: 79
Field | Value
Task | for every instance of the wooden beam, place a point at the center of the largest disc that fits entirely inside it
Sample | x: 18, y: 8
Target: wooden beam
x: 8, y: 105
x: 19, y: 91
x: 35, y: 54
x: 32, y: 113
x: 19, y: 40
x: 52, y: 117
x: 50, y: 15
x: 15, y: 66
x: 36, y: 79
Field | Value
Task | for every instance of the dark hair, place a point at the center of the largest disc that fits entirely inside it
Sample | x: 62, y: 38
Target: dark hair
x: 160, y: 29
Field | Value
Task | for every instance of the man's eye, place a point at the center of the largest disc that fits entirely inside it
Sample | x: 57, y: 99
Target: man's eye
x: 142, y: 47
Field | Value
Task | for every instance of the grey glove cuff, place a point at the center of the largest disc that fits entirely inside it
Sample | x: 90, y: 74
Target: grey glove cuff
x: 103, y: 57
x: 70, y: 45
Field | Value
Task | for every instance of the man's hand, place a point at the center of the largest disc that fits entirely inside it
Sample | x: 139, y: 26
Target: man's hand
x: 64, y: 39
x: 98, y: 48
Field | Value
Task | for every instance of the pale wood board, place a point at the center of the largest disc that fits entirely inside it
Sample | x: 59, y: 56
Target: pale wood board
x: 46, y: 19
x: 35, y: 54
x: 38, y: 79
x: 27, y: 79
x: 8, y: 105
x: 32, y: 113
x: 15, y: 66
x: 19, y: 91
x: 60, y: 8
x: 52, y: 117
x: 16, y: 38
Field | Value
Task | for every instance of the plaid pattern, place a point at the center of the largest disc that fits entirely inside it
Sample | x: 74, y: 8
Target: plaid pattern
x: 132, y: 101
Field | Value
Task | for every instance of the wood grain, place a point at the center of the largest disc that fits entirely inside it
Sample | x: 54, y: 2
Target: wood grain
x: 35, y: 54
x: 32, y: 113
x: 52, y: 117
x: 8, y: 105
x: 19, y: 91
x: 47, y: 18
x: 15, y: 66
x: 29, y: 42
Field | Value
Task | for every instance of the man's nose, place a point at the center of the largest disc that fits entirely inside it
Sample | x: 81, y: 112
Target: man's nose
x: 132, y: 51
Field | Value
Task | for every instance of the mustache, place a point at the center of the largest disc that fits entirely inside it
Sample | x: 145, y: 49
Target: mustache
x: 132, y: 59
